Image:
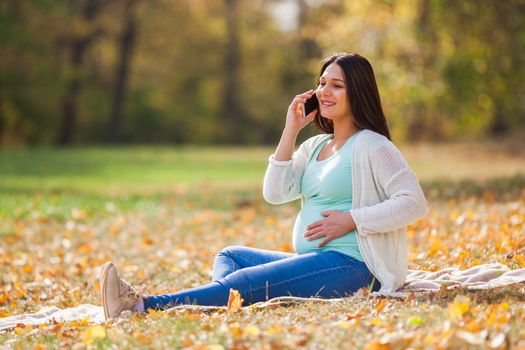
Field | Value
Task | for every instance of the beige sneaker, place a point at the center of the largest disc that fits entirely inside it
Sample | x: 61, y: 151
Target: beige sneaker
x: 117, y: 294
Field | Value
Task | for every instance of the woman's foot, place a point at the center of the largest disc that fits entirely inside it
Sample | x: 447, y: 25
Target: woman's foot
x: 117, y: 294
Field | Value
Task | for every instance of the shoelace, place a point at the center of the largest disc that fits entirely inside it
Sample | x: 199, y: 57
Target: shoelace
x: 129, y: 293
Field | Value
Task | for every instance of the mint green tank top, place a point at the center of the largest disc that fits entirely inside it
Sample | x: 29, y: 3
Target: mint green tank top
x: 326, y: 185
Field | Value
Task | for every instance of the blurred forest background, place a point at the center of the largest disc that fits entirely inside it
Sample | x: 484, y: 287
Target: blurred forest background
x: 224, y: 71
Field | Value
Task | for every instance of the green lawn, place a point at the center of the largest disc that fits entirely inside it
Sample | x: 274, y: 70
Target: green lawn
x: 134, y: 169
x: 161, y: 213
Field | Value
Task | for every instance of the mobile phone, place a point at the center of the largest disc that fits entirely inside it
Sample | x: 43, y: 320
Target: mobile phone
x: 310, y: 105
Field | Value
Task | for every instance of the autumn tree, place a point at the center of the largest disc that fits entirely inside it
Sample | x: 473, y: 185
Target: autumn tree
x: 126, y: 44
x: 85, y: 12
x: 224, y: 71
x: 232, y: 108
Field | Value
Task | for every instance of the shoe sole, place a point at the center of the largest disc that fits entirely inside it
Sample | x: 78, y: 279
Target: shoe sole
x: 103, y: 287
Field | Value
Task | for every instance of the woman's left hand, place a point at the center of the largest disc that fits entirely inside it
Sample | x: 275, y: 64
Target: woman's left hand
x: 335, y: 225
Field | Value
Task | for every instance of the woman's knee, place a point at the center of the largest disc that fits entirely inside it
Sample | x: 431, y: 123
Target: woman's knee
x: 231, y: 251
x: 227, y: 254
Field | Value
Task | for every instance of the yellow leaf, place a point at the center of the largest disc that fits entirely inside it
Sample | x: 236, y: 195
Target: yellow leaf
x: 381, y: 304
x: 234, y: 301
x: 286, y: 247
x: 520, y: 260
x: 193, y: 317
x: 271, y: 221
x: 252, y: 330
x: 276, y: 328
x: 348, y: 324
x: 85, y: 249
x: 96, y: 286
x: 429, y: 339
x: 473, y: 326
x: 153, y: 312
x: 492, y: 319
x: 503, y: 319
x: 504, y: 306
x: 142, y: 338
x: 235, y: 330
x: 458, y: 307
x: 414, y: 320
x: 377, y: 322
x: 186, y: 342
x: 93, y: 333
x: 4, y: 298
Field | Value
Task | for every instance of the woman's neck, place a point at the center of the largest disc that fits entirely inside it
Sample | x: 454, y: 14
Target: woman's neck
x: 343, y: 130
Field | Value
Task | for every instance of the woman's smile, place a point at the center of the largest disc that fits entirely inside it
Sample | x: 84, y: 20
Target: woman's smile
x: 327, y: 103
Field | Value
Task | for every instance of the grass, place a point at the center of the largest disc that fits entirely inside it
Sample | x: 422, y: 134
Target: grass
x: 161, y: 213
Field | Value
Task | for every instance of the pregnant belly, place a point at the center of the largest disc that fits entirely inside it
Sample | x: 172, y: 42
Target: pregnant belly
x: 309, y: 214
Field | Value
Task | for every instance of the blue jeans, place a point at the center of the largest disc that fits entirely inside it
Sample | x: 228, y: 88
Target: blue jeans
x: 260, y: 275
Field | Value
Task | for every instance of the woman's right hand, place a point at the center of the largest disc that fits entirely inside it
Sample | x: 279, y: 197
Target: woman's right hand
x: 294, y: 118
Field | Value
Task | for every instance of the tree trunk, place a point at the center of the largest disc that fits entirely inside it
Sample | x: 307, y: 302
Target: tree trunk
x: 79, y: 46
x: 127, y: 42
x: 231, y: 100
x: 420, y: 122
x: 506, y: 113
x: 308, y: 46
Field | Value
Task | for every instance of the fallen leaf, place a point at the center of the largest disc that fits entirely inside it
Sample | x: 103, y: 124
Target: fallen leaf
x: 520, y: 260
x: 414, y: 320
x: 234, y: 301
x: 381, y: 304
x: 252, y: 330
x: 376, y: 345
x: 235, y: 330
x: 142, y: 338
x: 458, y: 307
x: 378, y: 322
x: 93, y: 333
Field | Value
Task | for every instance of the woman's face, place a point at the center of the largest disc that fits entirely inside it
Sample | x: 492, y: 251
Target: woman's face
x: 332, y: 95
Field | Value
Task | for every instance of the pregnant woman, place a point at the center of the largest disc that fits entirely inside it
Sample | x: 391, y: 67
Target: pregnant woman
x: 357, y: 192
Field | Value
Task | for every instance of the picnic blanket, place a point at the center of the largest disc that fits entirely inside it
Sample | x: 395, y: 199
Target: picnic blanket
x: 485, y: 276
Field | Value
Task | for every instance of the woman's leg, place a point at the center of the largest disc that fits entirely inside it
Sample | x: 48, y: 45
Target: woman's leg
x: 234, y: 258
x: 324, y: 274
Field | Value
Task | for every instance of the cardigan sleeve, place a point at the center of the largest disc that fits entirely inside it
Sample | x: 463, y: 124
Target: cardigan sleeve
x: 405, y: 201
x: 282, y: 180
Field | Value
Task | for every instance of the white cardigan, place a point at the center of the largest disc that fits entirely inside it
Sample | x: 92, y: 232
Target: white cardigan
x: 386, y: 198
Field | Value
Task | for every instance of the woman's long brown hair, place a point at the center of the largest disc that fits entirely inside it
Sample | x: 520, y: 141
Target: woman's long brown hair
x: 362, y: 93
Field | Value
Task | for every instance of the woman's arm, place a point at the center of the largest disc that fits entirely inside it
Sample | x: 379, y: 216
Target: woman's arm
x: 294, y: 123
x: 282, y: 178
x: 405, y: 201
x: 286, y: 146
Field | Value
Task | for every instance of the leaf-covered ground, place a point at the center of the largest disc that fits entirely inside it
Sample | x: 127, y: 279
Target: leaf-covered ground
x: 64, y: 213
